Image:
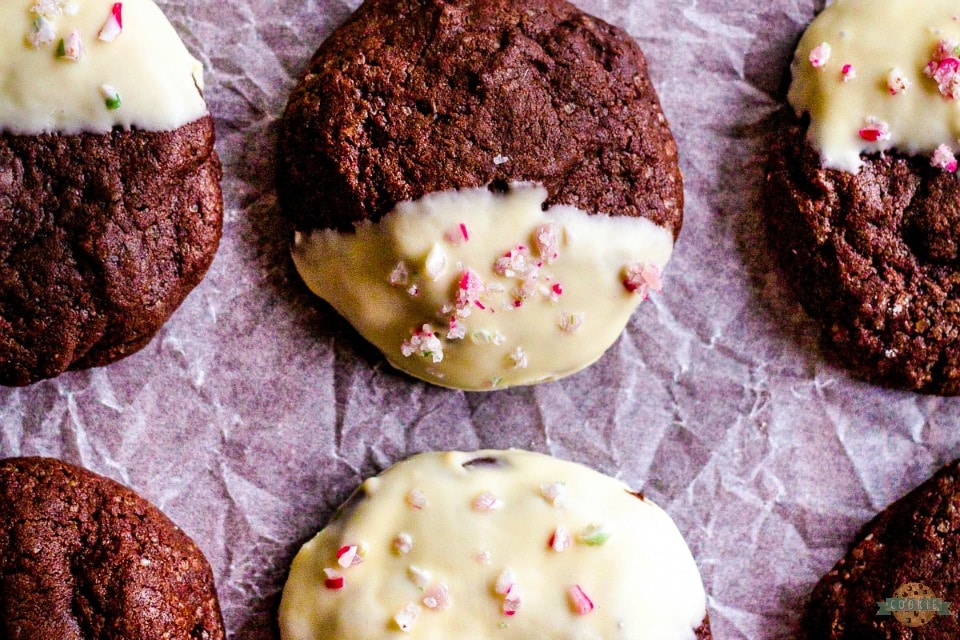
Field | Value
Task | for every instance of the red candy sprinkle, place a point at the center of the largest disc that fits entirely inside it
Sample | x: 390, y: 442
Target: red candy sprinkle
x: 348, y: 555
x: 334, y: 583
x: 875, y: 130
x: 114, y: 24
x: 582, y: 604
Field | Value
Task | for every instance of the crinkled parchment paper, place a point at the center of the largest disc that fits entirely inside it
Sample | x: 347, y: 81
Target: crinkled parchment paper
x: 256, y: 410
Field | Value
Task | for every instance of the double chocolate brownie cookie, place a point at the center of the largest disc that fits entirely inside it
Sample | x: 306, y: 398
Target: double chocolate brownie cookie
x: 495, y: 544
x: 84, y: 558
x: 863, y: 191
x: 440, y: 161
x: 110, y: 204
x: 910, y: 551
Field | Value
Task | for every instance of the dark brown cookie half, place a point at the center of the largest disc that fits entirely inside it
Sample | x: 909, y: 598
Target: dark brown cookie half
x: 102, y: 236
x: 415, y: 96
x: 914, y: 540
x: 82, y: 557
x: 873, y: 256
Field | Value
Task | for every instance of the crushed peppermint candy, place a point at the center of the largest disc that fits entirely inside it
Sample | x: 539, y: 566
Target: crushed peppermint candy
x: 71, y: 47
x: 570, y: 322
x: 436, y: 262
x: 455, y: 330
x: 943, y: 158
x: 111, y: 97
x: 517, y: 263
x: 519, y: 358
x: 418, y: 576
x: 413, y: 291
x: 416, y: 499
x: 512, y: 595
x: 579, y: 600
x: 641, y: 279
x: 400, y: 276
x: 593, y: 535
x: 333, y: 579
x: 403, y: 543
x: 545, y: 239
x: 41, y: 32
x: 52, y: 8
x: 485, y: 337
x: 944, y: 68
x: 848, y: 72
x: 425, y: 343
x: 458, y: 234
x: 820, y: 55
x: 113, y: 26
x: 470, y: 289
x: 486, y: 501
x: 349, y: 555
x: 483, y: 557
x: 500, y: 159
x: 560, y: 539
x: 897, y: 83
x: 875, y: 130
x: 437, y: 598
x: 407, y: 616
x: 555, y: 493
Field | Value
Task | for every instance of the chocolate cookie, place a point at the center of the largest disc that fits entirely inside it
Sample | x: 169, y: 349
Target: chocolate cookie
x: 911, y: 550
x: 413, y: 97
x: 495, y: 544
x: 863, y: 195
x: 444, y: 162
x: 110, y: 204
x: 82, y: 557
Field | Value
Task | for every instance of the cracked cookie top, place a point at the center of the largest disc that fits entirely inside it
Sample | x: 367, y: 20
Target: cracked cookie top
x: 83, y: 557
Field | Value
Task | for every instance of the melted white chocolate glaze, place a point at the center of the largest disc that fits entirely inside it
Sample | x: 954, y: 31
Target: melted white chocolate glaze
x: 478, y: 290
x: 143, y: 70
x: 449, y: 548
x: 873, y: 67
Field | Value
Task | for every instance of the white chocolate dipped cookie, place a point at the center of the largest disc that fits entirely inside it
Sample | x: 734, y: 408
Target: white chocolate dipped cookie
x: 495, y: 544
x: 486, y: 216
x: 110, y: 196
x: 863, y: 195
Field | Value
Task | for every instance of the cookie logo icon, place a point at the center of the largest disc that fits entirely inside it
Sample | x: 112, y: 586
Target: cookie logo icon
x: 914, y: 605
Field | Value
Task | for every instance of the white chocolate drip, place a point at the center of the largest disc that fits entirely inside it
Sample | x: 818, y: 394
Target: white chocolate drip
x: 144, y: 69
x: 620, y: 552
x: 888, y: 43
x: 476, y: 290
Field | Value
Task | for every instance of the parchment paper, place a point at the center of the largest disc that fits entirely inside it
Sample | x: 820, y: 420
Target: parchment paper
x: 256, y: 410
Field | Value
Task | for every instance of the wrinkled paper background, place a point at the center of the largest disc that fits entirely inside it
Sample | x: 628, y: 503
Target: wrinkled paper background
x: 256, y: 410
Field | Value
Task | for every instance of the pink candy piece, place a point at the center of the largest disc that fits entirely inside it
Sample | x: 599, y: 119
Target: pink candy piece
x: 113, y: 27
x: 545, y: 239
x: 581, y: 603
x: 470, y: 289
x: 820, y: 55
x: 437, y: 598
x: 560, y: 540
x: 486, y: 501
x: 349, y: 555
x: 641, y: 279
x: 944, y: 68
x: 875, y: 130
x: 507, y: 587
x: 416, y: 499
x: 897, y: 83
x: 943, y: 158
x: 848, y: 72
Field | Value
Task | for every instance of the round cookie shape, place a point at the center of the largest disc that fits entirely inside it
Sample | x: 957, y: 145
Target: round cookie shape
x: 495, y: 544
x: 497, y: 120
x: 110, y: 203
x: 908, y: 551
x: 867, y: 231
x: 84, y: 557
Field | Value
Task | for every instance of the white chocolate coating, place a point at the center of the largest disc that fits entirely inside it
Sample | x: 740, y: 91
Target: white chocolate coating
x: 530, y: 324
x: 642, y: 581
x: 876, y: 37
x: 158, y: 81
